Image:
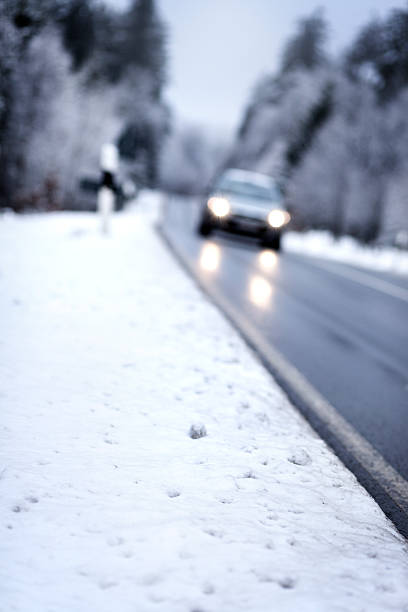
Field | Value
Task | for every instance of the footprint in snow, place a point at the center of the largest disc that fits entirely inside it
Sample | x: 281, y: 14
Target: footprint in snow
x: 110, y: 441
x: 127, y: 554
x: 107, y: 584
x: 249, y: 474
x: 115, y: 541
x: 197, y: 431
x: 224, y: 499
x: 300, y: 457
x: 19, y: 508
x: 287, y: 582
x: 215, y: 533
x: 372, y: 554
x: 32, y: 499
x: 173, y: 493
x: 208, y: 588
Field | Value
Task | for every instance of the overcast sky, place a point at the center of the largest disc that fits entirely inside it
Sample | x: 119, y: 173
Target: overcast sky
x: 218, y: 49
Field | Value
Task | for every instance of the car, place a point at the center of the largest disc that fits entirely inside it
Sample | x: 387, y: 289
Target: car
x: 245, y: 202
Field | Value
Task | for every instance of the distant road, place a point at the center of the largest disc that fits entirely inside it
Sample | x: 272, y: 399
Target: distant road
x: 345, y: 330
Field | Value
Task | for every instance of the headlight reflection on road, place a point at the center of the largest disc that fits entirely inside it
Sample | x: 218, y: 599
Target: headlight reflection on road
x: 260, y: 291
x: 210, y: 257
x: 268, y: 260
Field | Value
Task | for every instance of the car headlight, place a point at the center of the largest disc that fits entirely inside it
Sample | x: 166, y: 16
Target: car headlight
x: 277, y: 218
x: 220, y: 207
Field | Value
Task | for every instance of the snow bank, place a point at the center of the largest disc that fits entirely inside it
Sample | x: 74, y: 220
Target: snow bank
x: 347, y: 250
x: 148, y: 461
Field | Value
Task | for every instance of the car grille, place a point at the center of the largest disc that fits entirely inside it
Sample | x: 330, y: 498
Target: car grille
x: 248, y: 221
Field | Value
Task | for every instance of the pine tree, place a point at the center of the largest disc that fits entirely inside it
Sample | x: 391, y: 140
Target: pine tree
x: 380, y: 54
x: 306, y: 48
x: 78, y: 32
x: 144, y: 40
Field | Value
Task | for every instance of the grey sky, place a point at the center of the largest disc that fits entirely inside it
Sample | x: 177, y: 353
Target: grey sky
x: 219, y: 48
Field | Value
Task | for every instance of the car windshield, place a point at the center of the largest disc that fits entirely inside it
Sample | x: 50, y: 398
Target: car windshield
x: 246, y: 188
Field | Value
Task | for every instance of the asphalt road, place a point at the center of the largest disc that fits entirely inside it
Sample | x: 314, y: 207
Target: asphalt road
x: 344, y: 329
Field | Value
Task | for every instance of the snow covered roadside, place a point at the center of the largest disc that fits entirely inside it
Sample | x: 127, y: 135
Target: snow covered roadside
x: 347, y: 250
x: 109, y: 501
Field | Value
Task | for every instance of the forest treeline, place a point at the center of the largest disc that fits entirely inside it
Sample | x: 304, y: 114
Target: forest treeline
x: 334, y: 131
x: 75, y: 74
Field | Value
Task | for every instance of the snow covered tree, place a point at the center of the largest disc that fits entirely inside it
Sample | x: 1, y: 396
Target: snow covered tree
x: 78, y: 32
x: 20, y: 97
x: 147, y: 121
x: 335, y: 134
x: 144, y: 40
x: 380, y: 54
x: 69, y: 74
x: 190, y: 159
x: 305, y: 50
x: 283, y: 116
x: 318, y: 114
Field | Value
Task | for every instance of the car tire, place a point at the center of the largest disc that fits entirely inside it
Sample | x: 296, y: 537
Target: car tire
x: 205, y: 227
x: 272, y: 241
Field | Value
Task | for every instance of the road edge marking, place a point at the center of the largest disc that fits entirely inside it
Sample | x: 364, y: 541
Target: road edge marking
x: 389, y: 480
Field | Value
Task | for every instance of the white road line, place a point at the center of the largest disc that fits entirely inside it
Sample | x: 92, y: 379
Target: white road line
x: 360, y: 449
x: 367, y: 280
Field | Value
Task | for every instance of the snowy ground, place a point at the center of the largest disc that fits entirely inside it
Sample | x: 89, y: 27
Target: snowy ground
x: 109, y: 501
x: 347, y: 250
